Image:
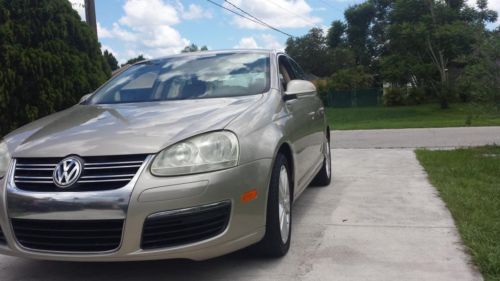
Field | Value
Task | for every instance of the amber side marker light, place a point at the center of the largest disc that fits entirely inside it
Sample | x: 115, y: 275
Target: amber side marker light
x: 249, y: 196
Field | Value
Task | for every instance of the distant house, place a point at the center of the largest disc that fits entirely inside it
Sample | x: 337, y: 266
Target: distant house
x: 387, y: 85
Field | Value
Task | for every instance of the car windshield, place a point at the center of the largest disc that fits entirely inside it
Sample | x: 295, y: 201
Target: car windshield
x: 194, y: 76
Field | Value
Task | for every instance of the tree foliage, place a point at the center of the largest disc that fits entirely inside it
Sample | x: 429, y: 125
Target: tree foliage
x: 359, y: 18
x: 480, y: 80
x: 49, y: 58
x: 194, y: 48
x: 111, y: 60
x: 437, y: 34
x: 336, y: 34
x: 311, y: 51
x: 439, y: 47
x: 137, y: 59
x: 351, y: 78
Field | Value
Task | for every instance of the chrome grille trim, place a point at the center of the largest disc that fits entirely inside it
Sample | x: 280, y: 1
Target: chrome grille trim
x: 110, y: 204
x: 33, y: 178
x: 99, y: 173
x: 111, y: 180
x: 114, y: 163
x: 111, y: 167
x: 114, y: 176
x: 36, y: 169
x: 36, y: 165
x: 33, y: 181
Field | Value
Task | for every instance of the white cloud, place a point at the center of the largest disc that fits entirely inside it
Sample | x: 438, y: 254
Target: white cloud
x: 195, y: 12
x: 123, y: 34
x: 492, y: 5
x: 247, y: 43
x: 277, y: 13
x: 146, y: 28
x: 146, y: 13
x: 266, y: 41
x: 103, y: 32
x: 325, y: 29
x: 109, y: 49
x: 79, y: 6
x: 270, y: 42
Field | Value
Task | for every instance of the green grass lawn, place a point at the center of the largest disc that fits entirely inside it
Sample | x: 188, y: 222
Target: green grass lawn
x: 420, y: 116
x: 468, y: 180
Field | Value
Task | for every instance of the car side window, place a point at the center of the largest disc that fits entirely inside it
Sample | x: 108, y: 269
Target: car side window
x: 299, y: 73
x: 286, y: 73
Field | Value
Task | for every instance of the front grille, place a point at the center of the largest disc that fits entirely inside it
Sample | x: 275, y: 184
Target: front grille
x: 2, y: 237
x: 69, y: 236
x: 178, y: 227
x: 99, y: 173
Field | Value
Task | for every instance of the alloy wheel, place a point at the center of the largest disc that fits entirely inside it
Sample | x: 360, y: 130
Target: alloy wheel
x: 284, y: 204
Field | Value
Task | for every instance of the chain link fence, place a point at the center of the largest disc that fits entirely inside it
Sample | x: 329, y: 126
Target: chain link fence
x: 354, y: 98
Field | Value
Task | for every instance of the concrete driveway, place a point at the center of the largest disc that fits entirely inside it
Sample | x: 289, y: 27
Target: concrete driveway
x: 380, y: 219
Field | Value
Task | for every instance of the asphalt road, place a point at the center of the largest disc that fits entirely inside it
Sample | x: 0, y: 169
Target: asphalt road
x: 380, y: 219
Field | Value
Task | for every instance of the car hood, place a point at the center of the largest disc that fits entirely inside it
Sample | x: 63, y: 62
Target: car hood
x: 139, y: 128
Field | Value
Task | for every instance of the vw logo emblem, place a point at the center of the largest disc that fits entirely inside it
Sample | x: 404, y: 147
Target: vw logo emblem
x: 67, y: 172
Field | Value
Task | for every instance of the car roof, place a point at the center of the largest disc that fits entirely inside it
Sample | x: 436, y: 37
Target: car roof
x: 212, y: 52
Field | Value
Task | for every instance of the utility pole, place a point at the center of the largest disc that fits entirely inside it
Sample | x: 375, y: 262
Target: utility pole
x: 90, y: 15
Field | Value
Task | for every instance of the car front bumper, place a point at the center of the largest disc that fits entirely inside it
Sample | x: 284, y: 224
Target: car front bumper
x: 144, y: 196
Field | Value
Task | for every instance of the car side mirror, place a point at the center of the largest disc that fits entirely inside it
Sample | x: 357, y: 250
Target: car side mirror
x: 84, y: 98
x: 296, y: 87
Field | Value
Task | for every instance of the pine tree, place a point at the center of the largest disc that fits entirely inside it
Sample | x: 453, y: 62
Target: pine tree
x: 139, y: 58
x: 49, y: 58
x: 111, y: 60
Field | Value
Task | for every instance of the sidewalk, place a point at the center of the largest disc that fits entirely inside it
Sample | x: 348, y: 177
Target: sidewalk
x: 413, y: 138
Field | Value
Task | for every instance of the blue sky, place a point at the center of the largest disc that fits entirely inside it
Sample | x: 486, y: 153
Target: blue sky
x: 161, y: 27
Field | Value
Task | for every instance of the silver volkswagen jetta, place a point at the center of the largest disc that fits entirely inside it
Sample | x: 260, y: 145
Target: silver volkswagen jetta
x: 189, y: 156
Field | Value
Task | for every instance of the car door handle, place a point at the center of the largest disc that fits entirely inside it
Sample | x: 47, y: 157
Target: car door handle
x: 312, y: 114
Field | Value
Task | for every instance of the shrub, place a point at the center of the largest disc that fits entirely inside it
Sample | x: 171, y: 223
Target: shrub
x: 480, y: 79
x: 393, y: 97
x: 49, y: 58
x: 322, y: 89
x: 415, y: 96
x: 396, y: 96
x: 352, y: 78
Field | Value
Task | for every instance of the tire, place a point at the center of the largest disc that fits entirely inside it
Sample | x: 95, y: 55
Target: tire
x: 324, y: 176
x: 273, y: 244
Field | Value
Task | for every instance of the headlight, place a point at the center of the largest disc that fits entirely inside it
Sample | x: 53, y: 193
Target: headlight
x: 4, y: 159
x: 203, y: 153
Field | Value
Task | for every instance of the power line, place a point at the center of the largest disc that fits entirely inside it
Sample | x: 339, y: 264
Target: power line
x: 250, y: 17
x: 259, y: 20
x: 327, y: 3
x: 302, y: 17
x: 236, y: 13
x: 254, y: 17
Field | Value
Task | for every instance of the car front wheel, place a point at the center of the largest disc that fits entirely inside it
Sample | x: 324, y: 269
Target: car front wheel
x: 324, y: 176
x: 276, y: 241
